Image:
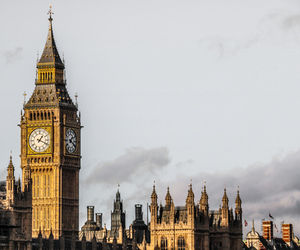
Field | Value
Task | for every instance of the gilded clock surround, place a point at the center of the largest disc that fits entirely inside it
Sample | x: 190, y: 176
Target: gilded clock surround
x: 55, y: 172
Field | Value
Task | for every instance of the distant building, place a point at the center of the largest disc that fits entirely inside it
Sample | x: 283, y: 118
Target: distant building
x: 15, y: 211
x: 268, y: 242
x: 194, y: 226
x: 137, y: 233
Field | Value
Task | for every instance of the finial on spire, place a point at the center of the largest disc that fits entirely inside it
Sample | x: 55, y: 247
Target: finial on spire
x: 50, y: 13
x: 76, y: 101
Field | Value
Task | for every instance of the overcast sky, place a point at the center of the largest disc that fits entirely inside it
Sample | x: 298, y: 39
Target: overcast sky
x: 169, y: 90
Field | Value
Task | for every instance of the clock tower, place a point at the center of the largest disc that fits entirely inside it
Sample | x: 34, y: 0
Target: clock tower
x: 50, y: 146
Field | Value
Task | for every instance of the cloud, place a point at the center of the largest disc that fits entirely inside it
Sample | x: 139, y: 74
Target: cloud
x: 13, y: 55
x: 133, y: 162
x: 272, y: 187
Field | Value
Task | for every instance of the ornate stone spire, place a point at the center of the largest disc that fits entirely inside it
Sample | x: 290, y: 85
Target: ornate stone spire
x: 168, y: 197
x: 238, y: 206
x: 10, y: 169
x: 154, y: 196
x: 225, y: 200
x: 10, y: 182
x: 190, y: 196
x: 238, y: 201
x: 50, y: 90
x: 50, y: 55
x: 204, y: 200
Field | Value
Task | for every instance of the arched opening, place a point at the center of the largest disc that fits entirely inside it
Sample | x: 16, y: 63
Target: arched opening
x: 181, y: 243
x: 164, y: 243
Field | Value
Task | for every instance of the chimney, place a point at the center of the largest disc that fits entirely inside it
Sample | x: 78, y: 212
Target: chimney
x: 287, y: 233
x: 90, y: 213
x: 138, y: 212
x: 99, y: 220
x: 267, y: 230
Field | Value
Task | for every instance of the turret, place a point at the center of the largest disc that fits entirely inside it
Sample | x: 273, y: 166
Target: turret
x: 225, y: 210
x: 168, y: 198
x: 153, y: 207
x: 190, y: 205
x: 10, y: 182
x: 27, y: 178
x: 238, y: 207
x: 204, y: 201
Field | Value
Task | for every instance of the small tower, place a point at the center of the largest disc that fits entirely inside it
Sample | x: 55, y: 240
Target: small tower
x: 27, y: 179
x: 190, y: 205
x: 117, y: 216
x: 10, y: 183
x: 153, y: 207
x: 225, y: 210
x: 204, y: 201
x: 238, y: 207
x: 168, y: 198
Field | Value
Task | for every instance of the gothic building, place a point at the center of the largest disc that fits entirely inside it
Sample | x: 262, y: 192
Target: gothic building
x: 42, y: 210
x: 15, y: 211
x: 50, y: 147
x: 194, y: 226
x: 117, y: 216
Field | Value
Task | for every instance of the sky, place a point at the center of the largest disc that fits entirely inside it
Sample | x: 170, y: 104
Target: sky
x: 170, y: 91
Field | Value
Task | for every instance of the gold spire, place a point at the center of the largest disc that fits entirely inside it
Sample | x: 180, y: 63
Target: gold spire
x: 190, y: 196
x: 238, y: 200
x: 225, y: 199
x: 154, y: 195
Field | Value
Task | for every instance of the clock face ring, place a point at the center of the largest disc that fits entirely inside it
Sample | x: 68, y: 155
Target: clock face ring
x: 71, y: 140
x: 39, y: 140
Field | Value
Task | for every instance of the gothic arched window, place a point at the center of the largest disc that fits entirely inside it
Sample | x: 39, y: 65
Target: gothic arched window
x: 164, y: 243
x: 181, y: 243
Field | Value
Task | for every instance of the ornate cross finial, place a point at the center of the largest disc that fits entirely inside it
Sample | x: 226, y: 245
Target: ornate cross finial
x: 50, y: 13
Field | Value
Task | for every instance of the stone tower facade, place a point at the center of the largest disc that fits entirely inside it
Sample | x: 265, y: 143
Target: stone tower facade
x: 117, y: 216
x: 193, y: 226
x: 50, y: 147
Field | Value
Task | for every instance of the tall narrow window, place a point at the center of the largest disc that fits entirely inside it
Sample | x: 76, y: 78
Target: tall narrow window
x: 164, y: 243
x: 45, y: 185
x: 181, y: 243
x: 48, y: 185
x: 37, y: 186
x: 33, y: 180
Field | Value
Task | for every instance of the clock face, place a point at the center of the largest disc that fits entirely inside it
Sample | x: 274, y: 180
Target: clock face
x: 39, y: 140
x: 71, y: 140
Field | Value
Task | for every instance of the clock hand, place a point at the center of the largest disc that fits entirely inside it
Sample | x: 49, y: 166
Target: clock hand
x: 45, y: 142
x: 39, y: 140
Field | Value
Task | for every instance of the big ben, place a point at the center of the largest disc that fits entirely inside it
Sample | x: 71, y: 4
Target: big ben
x: 50, y: 145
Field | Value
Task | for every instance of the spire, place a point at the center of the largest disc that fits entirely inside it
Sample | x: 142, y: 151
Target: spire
x: 50, y: 90
x: 118, y: 195
x: 204, y: 200
x: 238, y: 206
x: 168, y: 197
x: 238, y: 201
x: 10, y: 169
x: 225, y: 199
x: 154, y: 196
x: 50, y: 55
x: 190, y: 196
